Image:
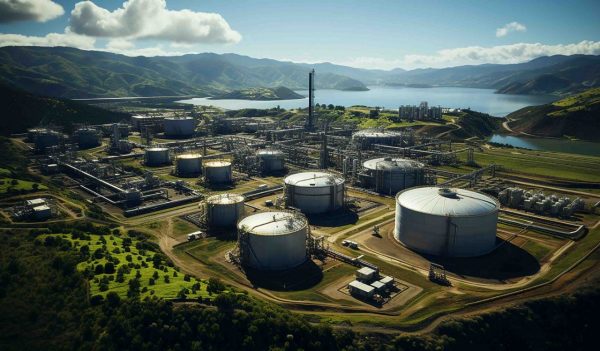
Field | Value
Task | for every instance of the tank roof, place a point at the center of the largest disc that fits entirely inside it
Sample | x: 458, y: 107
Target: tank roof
x: 176, y: 118
x: 313, y: 179
x: 273, y: 223
x: 189, y: 156
x: 217, y: 163
x: 157, y: 149
x: 392, y: 163
x: 225, y: 199
x: 451, y: 202
x: 268, y: 152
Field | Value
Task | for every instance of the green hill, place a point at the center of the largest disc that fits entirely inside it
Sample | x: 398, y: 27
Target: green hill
x: 22, y: 110
x: 576, y: 116
x: 279, y: 93
x: 73, y: 73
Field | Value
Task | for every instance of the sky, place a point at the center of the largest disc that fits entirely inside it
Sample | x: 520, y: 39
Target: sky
x: 366, y: 34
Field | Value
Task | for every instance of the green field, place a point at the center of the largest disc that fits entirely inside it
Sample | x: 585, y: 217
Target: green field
x: 18, y: 185
x: 134, y: 258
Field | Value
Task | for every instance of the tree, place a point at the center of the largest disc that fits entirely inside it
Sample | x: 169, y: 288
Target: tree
x: 109, y: 268
x: 215, y: 285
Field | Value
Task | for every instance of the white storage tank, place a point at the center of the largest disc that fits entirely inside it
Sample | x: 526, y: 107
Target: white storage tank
x: 314, y: 192
x: 224, y: 210
x: 179, y: 126
x: 217, y: 171
x: 188, y: 165
x: 366, y: 138
x: 390, y: 175
x: 446, y: 222
x: 273, y: 240
x: 87, y: 137
x: 271, y: 160
x: 157, y: 156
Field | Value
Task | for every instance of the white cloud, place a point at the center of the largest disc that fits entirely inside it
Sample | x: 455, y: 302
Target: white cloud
x: 150, y: 19
x: 510, y: 27
x: 29, y: 10
x: 474, y: 55
x: 51, y: 39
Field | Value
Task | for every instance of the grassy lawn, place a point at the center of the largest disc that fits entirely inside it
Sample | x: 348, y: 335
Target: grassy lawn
x: 17, y: 184
x: 134, y: 260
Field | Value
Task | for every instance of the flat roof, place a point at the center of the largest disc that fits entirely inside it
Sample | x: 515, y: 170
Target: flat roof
x: 378, y: 284
x: 386, y: 279
x: 37, y: 201
x: 366, y: 271
x: 41, y: 208
x: 361, y: 286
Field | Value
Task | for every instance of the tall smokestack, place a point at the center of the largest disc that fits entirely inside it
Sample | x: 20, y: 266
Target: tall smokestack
x: 310, y: 123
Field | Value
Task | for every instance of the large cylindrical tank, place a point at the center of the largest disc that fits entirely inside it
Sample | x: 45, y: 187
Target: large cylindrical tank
x: 446, y: 222
x: 87, y: 137
x: 43, y: 138
x: 271, y: 160
x: 390, y: 175
x: 157, y: 156
x: 314, y: 192
x: 217, y: 171
x: 188, y: 165
x: 224, y: 210
x: 179, y: 126
x: 368, y: 137
x: 273, y: 240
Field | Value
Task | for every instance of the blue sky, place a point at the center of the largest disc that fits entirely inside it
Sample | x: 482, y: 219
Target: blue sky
x: 370, y: 34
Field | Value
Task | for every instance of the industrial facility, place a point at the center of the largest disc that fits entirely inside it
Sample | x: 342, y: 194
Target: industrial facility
x: 188, y: 165
x: 223, y: 210
x: 446, y: 222
x: 389, y: 175
x: 179, y: 127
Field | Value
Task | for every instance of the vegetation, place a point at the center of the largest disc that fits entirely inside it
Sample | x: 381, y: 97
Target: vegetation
x: 278, y: 93
x: 575, y: 116
x: 27, y: 110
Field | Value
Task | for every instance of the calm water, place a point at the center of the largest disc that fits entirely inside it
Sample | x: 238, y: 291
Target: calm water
x: 557, y: 145
x: 483, y: 100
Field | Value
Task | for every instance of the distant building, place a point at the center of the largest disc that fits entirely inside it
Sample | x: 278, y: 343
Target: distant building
x: 420, y: 113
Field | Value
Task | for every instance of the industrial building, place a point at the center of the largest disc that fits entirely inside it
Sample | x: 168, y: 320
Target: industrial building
x: 139, y: 122
x: 157, y: 156
x: 179, y: 127
x: 42, y: 212
x: 314, y: 192
x: 360, y: 289
x: 188, y: 165
x: 390, y: 175
x: 540, y: 203
x: 365, y: 139
x: 446, y: 222
x: 223, y: 210
x: 273, y: 240
x: 271, y: 160
x: 217, y: 172
x: 44, y: 138
x: 366, y: 274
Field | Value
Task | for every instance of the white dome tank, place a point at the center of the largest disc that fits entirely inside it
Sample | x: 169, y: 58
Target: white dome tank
x: 446, y: 222
x: 217, y: 171
x: 390, y: 175
x: 224, y: 210
x: 157, y: 156
x: 314, y: 192
x: 271, y: 160
x: 273, y: 240
x: 187, y: 165
x: 179, y: 126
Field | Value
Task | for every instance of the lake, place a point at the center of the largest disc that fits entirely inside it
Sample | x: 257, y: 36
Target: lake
x: 482, y: 100
x: 548, y: 144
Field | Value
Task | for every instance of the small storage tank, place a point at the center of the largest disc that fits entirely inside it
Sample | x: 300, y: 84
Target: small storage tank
x: 188, y: 165
x: 390, y: 175
x: 224, y: 210
x: 314, y: 192
x: 446, y: 222
x: 179, y: 126
x: 87, y: 137
x: 157, y: 156
x: 366, y: 138
x: 217, y: 171
x: 271, y: 160
x: 273, y: 240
